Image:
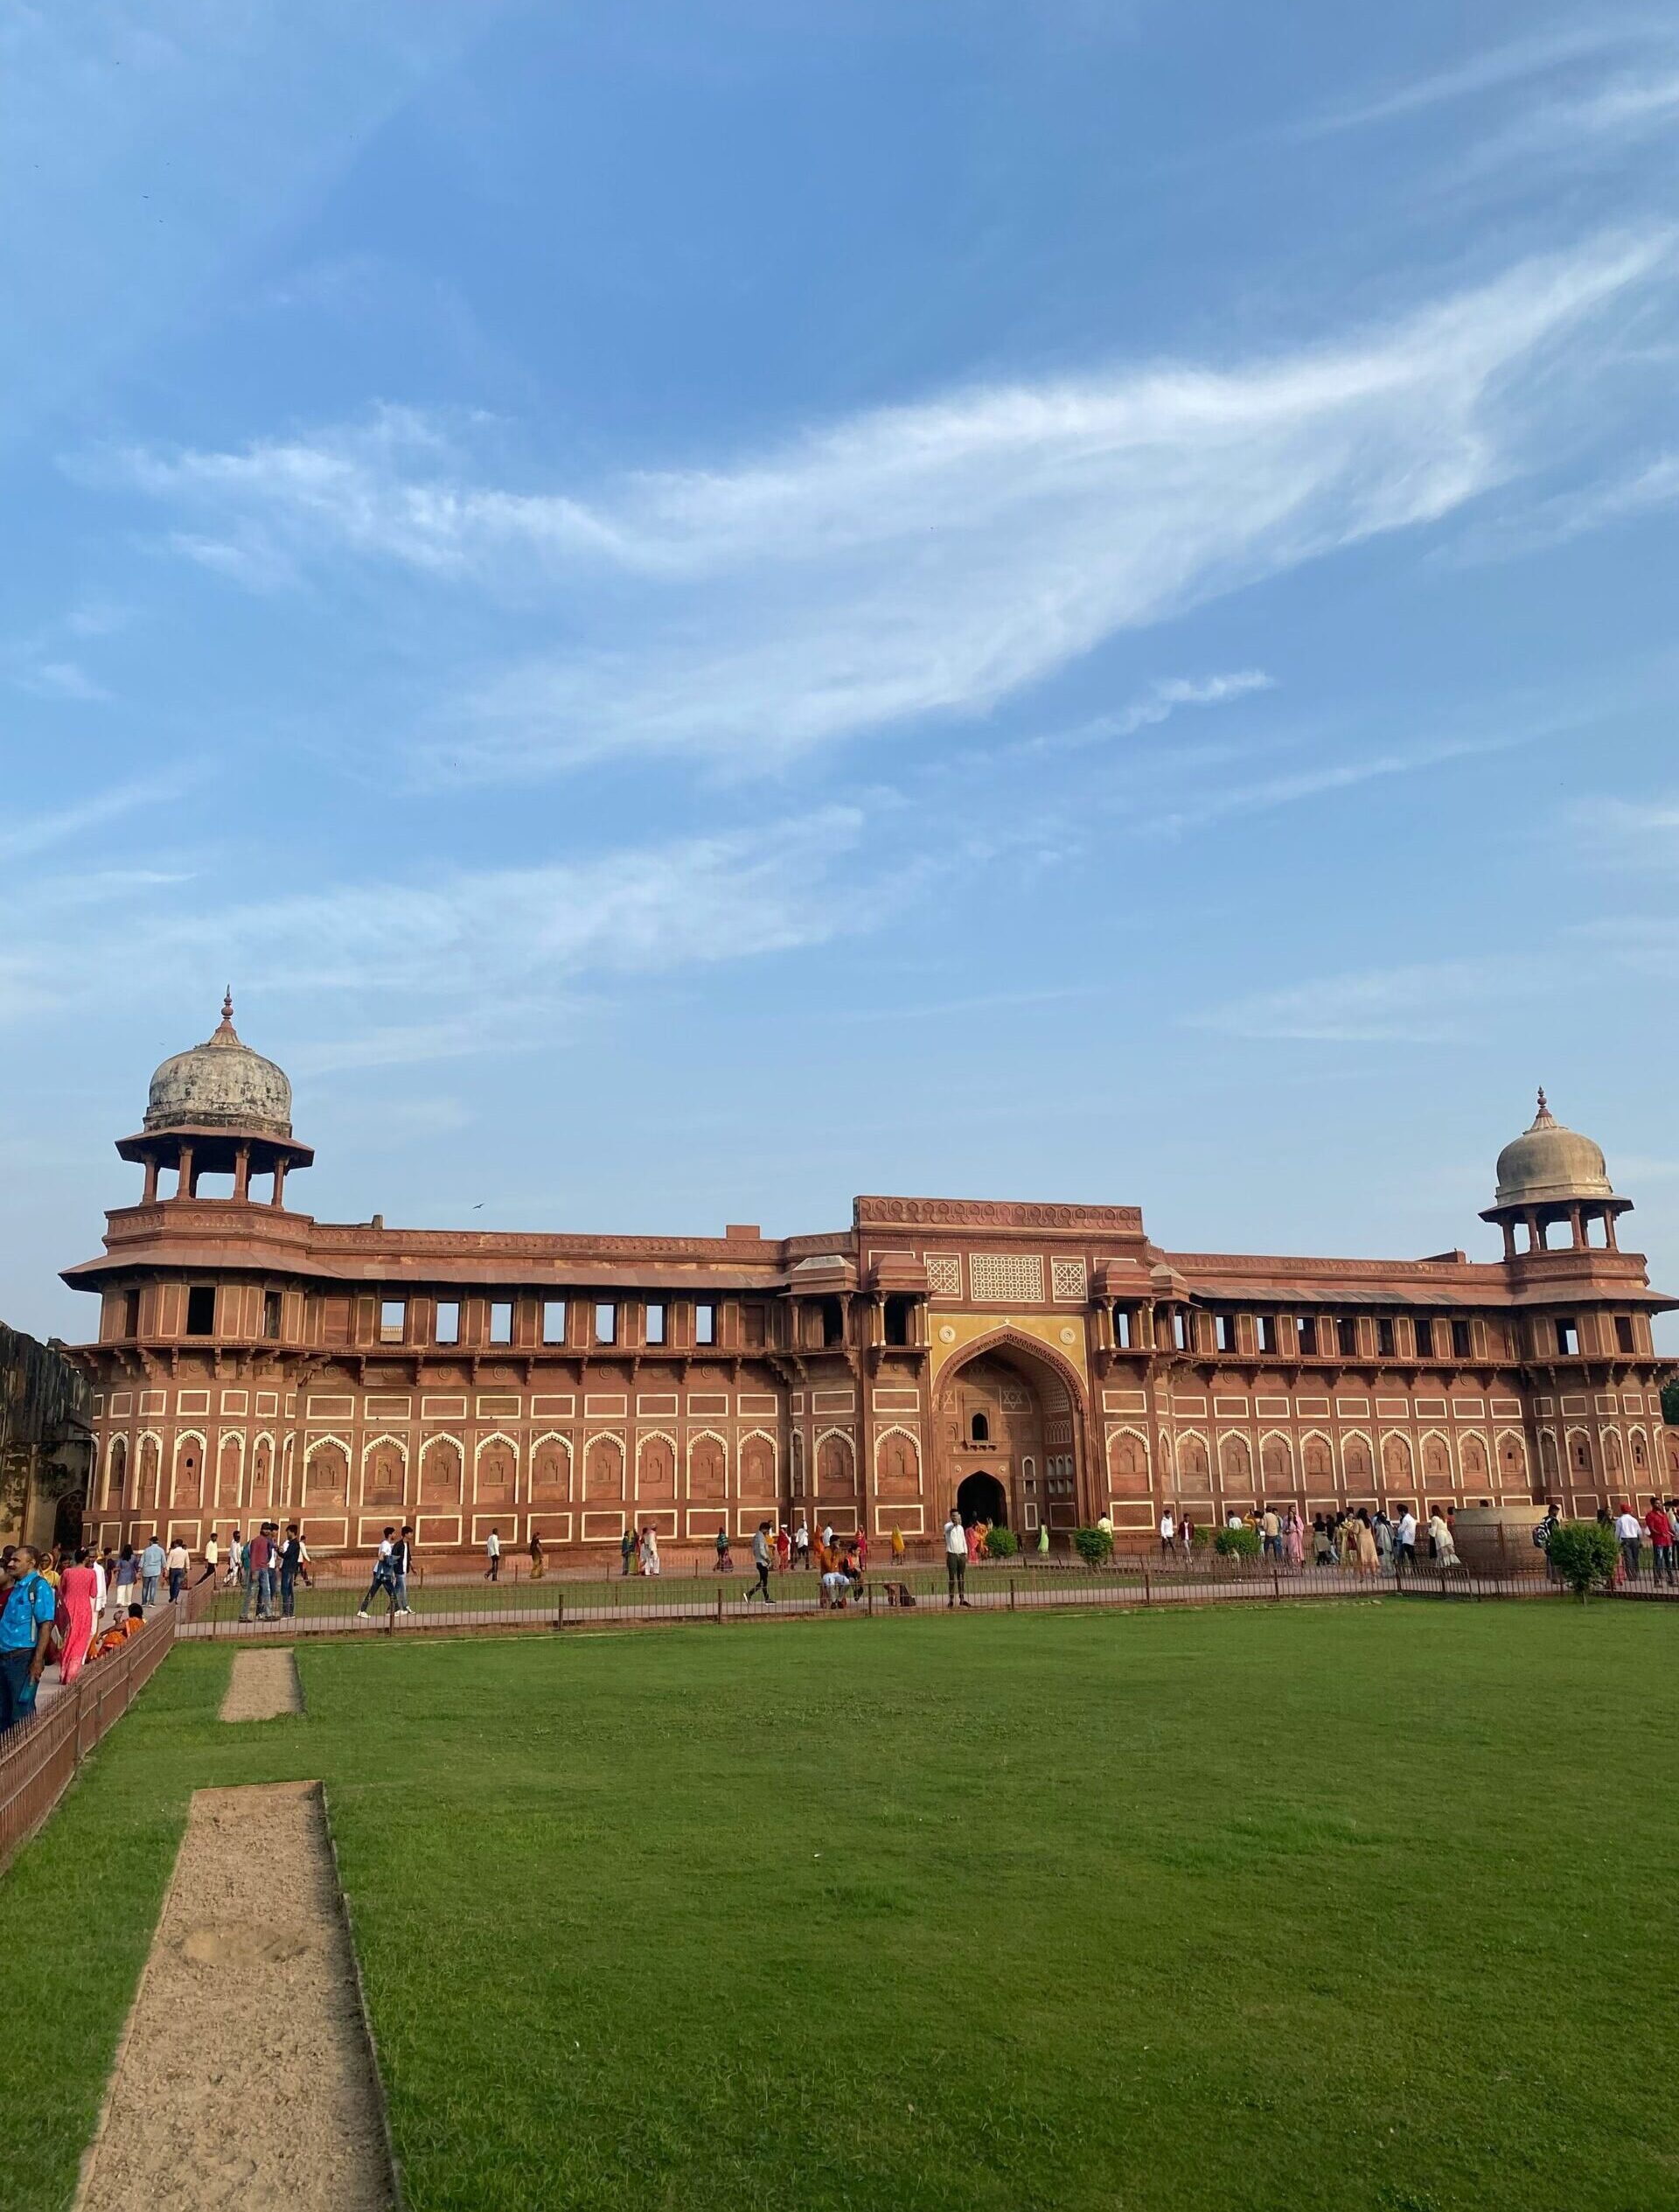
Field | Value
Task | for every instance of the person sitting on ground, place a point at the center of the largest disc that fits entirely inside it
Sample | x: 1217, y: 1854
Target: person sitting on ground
x: 130, y: 1624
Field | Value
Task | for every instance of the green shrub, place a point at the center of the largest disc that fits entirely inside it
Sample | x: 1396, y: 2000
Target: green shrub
x: 1094, y: 1545
x: 1202, y: 1536
x: 1236, y: 1542
x: 1001, y: 1543
x: 1584, y: 1553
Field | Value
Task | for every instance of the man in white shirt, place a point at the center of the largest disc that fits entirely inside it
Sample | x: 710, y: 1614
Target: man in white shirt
x: 1405, y: 1545
x: 493, y: 1553
x: 956, y: 1560
x: 1631, y: 1533
x: 1169, y: 1530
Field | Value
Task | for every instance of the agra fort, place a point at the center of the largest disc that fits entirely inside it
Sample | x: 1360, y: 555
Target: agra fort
x: 1029, y: 1364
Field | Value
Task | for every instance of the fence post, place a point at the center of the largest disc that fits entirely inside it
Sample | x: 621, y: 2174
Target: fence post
x: 1010, y: 1595
x: 1148, y: 1587
x: 871, y: 1601
x: 1275, y: 1585
x: 560, y: 1610
x: 720, y: 1605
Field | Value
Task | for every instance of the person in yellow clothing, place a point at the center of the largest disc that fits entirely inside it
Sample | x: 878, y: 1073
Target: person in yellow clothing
x: 897, y: 1543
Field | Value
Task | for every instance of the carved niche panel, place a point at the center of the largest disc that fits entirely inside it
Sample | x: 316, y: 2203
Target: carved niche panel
x: 1277, y: 1461
x: 758, y: 1468
x: 1355, y: 1458
x: 836, y: 1470
x: 383, y: 1479
x: 328, y: 1477
x: 655, y: 1470
x: 603, y: 1469
x: 1236, y: 1466
x: 550, y: 1472
x: 230, y: 1468
x: 899, y: 1465
x: 497, y: 1474
x: 1396, y: 1463
x: 708, y: 1473
x: 149, y: 1461
x: 440, y: 1473
x: 189, y: 1478
x: 1128, y: 1467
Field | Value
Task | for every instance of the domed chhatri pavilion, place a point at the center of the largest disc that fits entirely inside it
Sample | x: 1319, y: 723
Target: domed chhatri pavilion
x: 1038, y: 1365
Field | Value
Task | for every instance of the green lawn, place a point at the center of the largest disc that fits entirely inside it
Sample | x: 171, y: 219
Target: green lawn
x: 1362, y: 1906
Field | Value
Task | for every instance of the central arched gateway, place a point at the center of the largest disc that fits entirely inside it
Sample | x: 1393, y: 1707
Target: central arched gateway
x: 1009, y: 1437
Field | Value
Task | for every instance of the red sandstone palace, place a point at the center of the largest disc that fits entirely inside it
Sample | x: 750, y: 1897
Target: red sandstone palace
x: 1032, y: 1364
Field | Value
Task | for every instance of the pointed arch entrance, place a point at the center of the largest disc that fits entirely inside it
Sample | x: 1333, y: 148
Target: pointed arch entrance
x: 1009, y: 1431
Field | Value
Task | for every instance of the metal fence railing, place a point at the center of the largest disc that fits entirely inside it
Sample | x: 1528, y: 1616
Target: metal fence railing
x: 453, y: 1599
x: 39, y: 1757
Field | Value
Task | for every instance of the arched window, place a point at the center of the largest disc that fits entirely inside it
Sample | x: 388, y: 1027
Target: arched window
x: 980, y: 1429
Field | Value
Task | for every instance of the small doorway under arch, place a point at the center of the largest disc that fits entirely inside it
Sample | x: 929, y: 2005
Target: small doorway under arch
x: 982, y: 1497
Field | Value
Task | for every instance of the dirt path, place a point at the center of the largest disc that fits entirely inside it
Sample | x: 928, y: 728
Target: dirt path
x: 263, y: 1684
x: 244, y: 2077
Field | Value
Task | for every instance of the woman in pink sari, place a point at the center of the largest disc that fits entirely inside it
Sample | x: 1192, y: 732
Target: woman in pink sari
x: 76, y: 1587
x: 1294, y: 1538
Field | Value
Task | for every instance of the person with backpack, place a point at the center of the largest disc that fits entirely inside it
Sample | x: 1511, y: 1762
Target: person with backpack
x: 27, y: 1616
x: 762, y: 1555
x: 294, y: 1561
x: 398, y: 1565
x: 1659, y: 1524
x: 381, y: 1573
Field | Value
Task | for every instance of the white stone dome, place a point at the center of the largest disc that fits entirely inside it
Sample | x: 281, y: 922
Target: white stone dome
x: 1547, y: 1162
x: 220, y: 1084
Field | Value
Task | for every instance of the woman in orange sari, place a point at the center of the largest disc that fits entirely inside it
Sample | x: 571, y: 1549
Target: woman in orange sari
x: 76, y: 1588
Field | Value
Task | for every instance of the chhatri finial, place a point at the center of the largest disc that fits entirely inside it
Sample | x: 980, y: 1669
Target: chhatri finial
x: 1543, y: 1120
x: 227, y: 1029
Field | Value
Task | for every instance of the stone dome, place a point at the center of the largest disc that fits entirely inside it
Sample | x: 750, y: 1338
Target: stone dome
x: 220, y: 1084
x: 1549, y: 1162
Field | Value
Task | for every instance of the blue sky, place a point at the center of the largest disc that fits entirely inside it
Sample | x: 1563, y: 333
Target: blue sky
x: 709, y: 606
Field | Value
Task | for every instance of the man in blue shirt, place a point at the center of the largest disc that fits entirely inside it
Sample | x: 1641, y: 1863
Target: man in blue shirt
x: 151, y: 1568
x: 26, y: 1629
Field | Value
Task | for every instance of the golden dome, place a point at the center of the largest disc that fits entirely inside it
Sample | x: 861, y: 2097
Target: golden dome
x: 1548, y: 1163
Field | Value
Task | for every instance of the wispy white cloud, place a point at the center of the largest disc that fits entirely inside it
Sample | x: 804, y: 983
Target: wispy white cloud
x: 1154, y: 706
x: 60, y: 679
x: 1650, y: 485
x: 1427, y: 1004
x: 1494, y: 69
x: 481, y: 949
x: 910, y: 561
x: 24, y: 835
x: 149, y: 143
x: 1219, y: 800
